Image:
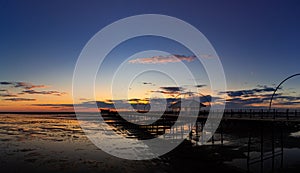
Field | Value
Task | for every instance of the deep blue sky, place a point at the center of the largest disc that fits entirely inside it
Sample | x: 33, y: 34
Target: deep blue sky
x: 257, y: 41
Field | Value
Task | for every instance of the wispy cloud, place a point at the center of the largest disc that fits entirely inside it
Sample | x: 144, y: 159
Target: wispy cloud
x: 259, y: 97
x: 248, y: 92
x: 56, y: 93
x: 53, y: 105
x: 148, y: 83
x: 207, y: 56
x: 200, y: 86
x: 172, y: 89
x: 163, y: 59
x: 28, y: 86
x: 24, y: 85
x: 84, y: 99
x: 8, y: 95
x: 6, y: 83
x: 169, y: 90
x: 19, y: 99
x: 247, y: 98
x: 9, y: 89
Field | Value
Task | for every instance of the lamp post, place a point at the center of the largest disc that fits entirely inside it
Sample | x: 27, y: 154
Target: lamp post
x: 270, y: 105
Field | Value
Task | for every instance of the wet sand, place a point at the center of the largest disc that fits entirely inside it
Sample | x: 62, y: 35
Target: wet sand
x: 56, y: 143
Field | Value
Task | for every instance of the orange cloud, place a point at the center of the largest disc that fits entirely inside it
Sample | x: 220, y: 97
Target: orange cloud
x: 162, y: 59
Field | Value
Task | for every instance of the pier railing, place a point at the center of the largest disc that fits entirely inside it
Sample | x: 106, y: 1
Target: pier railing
x: 273, y: 114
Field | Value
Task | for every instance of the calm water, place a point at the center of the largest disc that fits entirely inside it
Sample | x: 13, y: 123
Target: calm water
x: 56, y: 143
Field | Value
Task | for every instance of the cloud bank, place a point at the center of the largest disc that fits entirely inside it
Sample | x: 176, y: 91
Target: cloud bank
x: 8, y: 88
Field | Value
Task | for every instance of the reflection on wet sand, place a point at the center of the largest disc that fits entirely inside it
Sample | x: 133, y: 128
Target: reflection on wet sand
x: 54, y: 143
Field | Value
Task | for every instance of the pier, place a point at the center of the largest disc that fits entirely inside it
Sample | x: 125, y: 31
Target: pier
x: 164, y: 123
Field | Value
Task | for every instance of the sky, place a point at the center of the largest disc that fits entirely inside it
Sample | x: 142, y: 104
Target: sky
x: 40, y: 42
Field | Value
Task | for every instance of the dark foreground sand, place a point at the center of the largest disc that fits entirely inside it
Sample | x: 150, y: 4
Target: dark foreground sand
x: 56, y: 143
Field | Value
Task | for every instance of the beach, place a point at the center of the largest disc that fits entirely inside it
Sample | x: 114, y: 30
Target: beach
x: 56, y: 143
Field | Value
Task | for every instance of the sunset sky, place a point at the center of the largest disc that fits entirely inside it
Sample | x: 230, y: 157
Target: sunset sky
x: 40, y: 41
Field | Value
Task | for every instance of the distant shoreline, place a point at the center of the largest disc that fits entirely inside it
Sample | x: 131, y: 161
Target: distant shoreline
x: 40, y: 112
x: 226, y: 111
